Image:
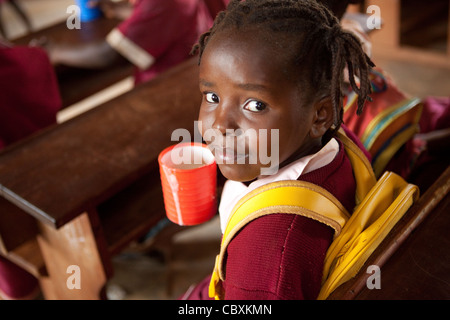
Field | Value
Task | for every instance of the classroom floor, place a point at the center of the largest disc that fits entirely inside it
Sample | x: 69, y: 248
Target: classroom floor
x: 159, y: 277
x: 152, y: 276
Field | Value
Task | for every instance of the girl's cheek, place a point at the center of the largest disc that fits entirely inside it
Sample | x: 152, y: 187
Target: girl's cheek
x: 204, y: 125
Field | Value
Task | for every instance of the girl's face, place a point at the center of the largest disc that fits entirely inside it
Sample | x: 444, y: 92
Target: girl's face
x: 244, y: 92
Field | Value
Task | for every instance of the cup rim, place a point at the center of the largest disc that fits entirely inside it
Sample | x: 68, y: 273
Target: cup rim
x: 185, y: 144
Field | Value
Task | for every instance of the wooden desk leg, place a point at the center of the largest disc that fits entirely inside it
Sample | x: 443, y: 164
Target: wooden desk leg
x: 74, y: 255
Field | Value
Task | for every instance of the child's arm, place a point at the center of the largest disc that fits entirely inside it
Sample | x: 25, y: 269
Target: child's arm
x: 94, y: 55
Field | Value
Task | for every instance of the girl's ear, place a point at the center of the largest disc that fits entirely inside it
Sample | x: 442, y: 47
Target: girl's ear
x: 323, y: 117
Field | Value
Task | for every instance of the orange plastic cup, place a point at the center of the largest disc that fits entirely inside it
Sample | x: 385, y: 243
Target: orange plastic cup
x: 189, y: 183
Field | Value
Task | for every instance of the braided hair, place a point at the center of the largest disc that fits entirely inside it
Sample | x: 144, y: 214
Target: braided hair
x: 316, y: 38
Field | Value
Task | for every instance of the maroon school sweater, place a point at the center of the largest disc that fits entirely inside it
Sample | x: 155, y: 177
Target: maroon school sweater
x: 281, y: 256
x: 29, y: 93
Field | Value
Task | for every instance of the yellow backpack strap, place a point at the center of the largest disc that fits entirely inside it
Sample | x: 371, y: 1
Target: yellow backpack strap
x: 362, y: 169
x: 290, y: 197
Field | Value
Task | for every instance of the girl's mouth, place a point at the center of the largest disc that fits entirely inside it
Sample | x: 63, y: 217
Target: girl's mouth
x: 228, y: 155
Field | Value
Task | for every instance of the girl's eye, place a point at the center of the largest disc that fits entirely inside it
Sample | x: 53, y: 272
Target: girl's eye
x: 255, y: 106
x: 211, y: 97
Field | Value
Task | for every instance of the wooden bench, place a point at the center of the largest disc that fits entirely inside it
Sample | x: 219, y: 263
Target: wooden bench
x: 18, y: 242
x: 92, y: 184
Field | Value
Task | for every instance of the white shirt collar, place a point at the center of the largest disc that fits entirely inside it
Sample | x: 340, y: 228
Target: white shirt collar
x: 235, y: 190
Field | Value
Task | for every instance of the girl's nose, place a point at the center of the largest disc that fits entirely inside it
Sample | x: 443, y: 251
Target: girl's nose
x: 225, y: 121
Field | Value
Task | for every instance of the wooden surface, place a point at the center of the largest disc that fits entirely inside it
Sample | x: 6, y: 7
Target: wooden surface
x: 420, y: 268
x: 75, y: 244
x: 77, y: 165
x: 92, y: 183
x: 16, y: 226
x: 29, y: 257
x: 76, y: 84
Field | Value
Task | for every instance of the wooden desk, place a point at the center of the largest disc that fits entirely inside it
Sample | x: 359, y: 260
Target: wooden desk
x: 76, y: 84
x: 79, y: 179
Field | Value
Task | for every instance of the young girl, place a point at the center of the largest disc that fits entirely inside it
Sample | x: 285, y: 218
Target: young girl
x: 277, y: 65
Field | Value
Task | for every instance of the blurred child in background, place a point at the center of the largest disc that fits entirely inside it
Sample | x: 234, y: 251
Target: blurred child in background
x: 155, y: 35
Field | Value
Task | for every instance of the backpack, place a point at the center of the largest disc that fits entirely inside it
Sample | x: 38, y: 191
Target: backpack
x: 386, y: 123
x: 379, y: 206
